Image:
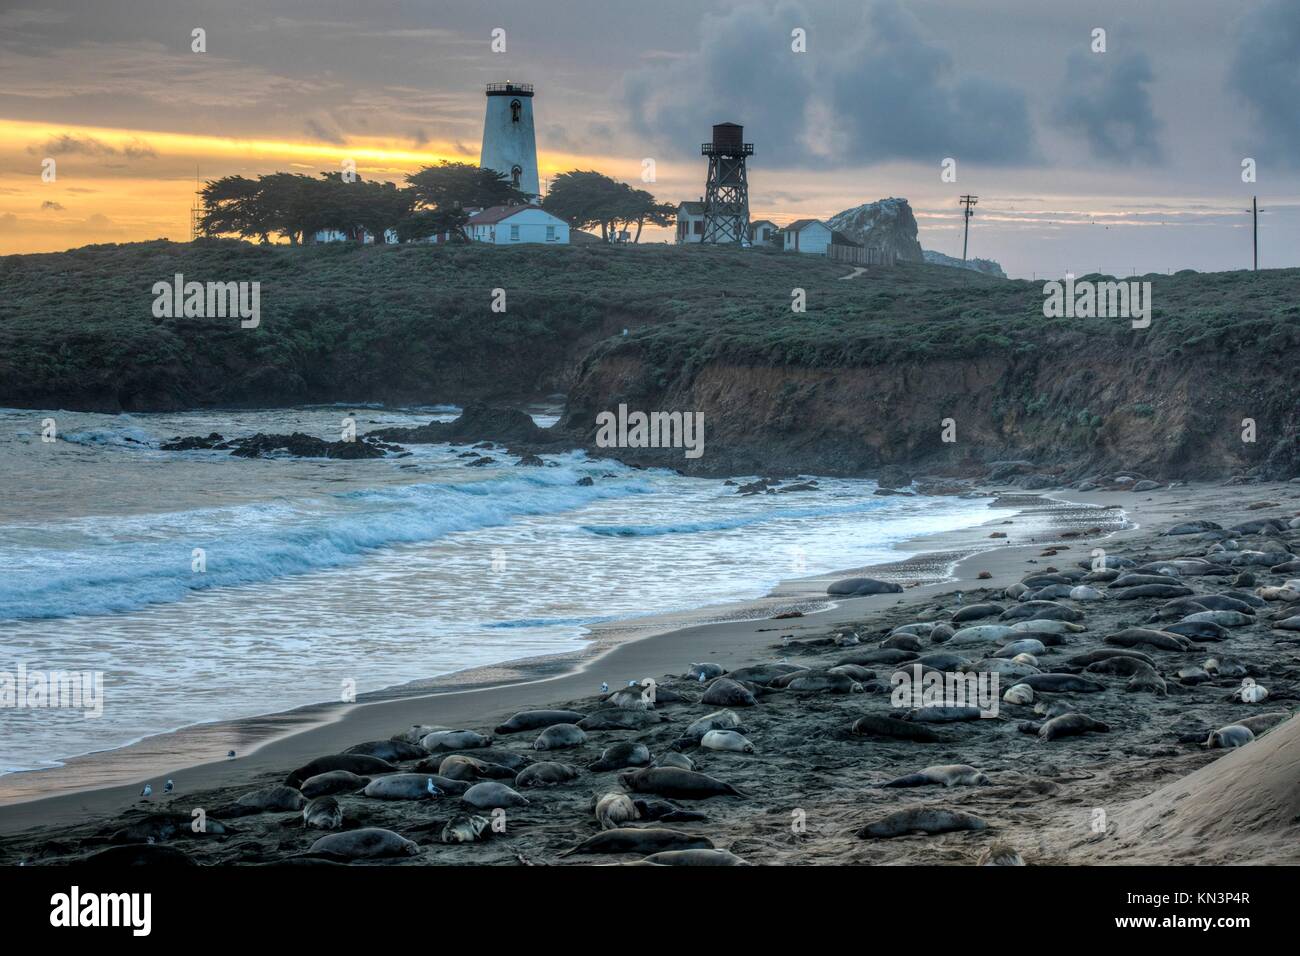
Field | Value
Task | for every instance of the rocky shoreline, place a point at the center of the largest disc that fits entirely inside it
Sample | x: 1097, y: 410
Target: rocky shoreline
x: 1122, y: 678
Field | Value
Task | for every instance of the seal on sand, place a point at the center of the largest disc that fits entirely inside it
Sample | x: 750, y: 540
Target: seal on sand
x: 1069, y: 725
x: 682, y: 784
x: 921, y: 819
x: 368, y: 843
x: 640, y: 840
x: 559, y: 736
x: 725, y: 692
x: 359, y: 764
x: 390, y: 750
x: 547, y: 773
x: 538, y: 719
x: 726, y: 740
x: 1234, y: 735
x: 465, y: 828
x: 614, y: 809
x: 489, y: 795
x: 273, y: 798
x: 323, y: 813
x: 1001, y: 854
x: 621, y: 756
x: 950, y: 775
x: 465, y: 767
x: 334, y: 781
x: 444, y: 740
x: 880, y: 725
x: 695, y: 858
x: 411, y: 786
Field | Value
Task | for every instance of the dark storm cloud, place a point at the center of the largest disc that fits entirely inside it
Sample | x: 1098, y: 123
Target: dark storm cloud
x: 1265, y: 72
x: 1105, y: 99
x: 876, y: 91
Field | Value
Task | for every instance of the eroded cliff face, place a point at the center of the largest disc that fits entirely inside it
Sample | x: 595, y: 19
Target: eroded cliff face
x: 1073, y: 413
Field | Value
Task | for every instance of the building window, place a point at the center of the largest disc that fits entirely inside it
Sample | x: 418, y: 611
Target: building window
x: 515, y: 109
x: 514, y: 233
x: 550, y: 233
x: 698, y: 227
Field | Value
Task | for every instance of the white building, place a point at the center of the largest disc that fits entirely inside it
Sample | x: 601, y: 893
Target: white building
x: 335, y: 235
x: 808, y: 235
x: 690, y: 221
x: 513, y: 225
x: 762, y: 231
x: 509, y: 143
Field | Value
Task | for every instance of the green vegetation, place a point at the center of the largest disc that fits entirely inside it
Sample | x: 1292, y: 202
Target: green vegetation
x: 414, y: 323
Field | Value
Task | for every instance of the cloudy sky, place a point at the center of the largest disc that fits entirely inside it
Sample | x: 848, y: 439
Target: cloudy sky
x: 1122, y: 160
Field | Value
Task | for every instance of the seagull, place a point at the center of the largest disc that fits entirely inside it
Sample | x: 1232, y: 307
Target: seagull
x: 701, y: 677
x: 959, y: 597
x: 604, y: 687
x: 230, y: 755
x: 147, y: 792
x: 168, y: 787
x: 631, y: 683
x: 428, y: 785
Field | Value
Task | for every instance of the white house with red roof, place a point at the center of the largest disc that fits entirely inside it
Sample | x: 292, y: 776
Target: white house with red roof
x: 514, y: 225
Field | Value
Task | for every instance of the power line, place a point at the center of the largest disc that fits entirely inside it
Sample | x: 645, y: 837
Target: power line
x: 966, y: 201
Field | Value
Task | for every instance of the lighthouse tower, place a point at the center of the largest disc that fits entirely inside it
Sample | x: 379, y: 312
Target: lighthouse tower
x: 509, y: 145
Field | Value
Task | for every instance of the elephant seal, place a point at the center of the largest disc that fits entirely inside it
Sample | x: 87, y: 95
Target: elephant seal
x: 1225, y: 667
x: 614, y: 809
x: 674, y: 759
x: 1019, y: 694
x: 942, y: 661
x: 490, y: 795
x: 824, y: 681
x: 1222, y: 602
x: 860, y: 587
x: 1021, y: 646
x: 1261, y: 723
x: 493, y: 756
x: 1041, y: 610
x: 1146, y: 679
x: 1222, y: 618
x: 706, y: 671
x: 726, y: 740
x: 950, y: 775
x: 640, y: 840
x: 1199, y: 631
x: 1069, y: 725
x: 615, y: 718
x: 621, y: 756
x: 764, y: 674
x: 1001, y: 854
x: 920, y: 819
x: 1092, y: 657
x: 695, y: 858
x: 359, y: 764
x: 368, y: 843
x: 663, y: 811
x: 1081, y: 592
x: 891, y: 728
x: 441, y: 741
x: 1137, y: 636
x: 630, y: 698
x: 560, y: 736
x: 682, y: 784
x: 1234, y: 735
x: 537, y: 720
x: 725, y: 692
x: 1118, y: 666
x: 273, y: 798
x: 412, y: 786
x: 941, y: 714
x: 465, y: 828
x: 546, y: 773
x: 978, y: 634
x: 390, y: 750
x: 903, y: 642
x: 973, y: 612
x: 1062, y: 684
x: 322, y: 813
x: 417, y: 732
x: 333, y: 781
x: 465, y: 767
x: 1037, y: 628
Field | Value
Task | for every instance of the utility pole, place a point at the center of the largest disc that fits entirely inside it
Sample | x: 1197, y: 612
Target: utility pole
x: 1254, y: 227
x: 966, y: 201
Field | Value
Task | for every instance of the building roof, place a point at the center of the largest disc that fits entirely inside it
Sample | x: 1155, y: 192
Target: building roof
x: 691, y: 208
x: 498, y: 213
x: 759, y: 222
x: 801, y: 224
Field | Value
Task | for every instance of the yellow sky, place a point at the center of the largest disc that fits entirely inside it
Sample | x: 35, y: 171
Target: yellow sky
x: 125, y: 185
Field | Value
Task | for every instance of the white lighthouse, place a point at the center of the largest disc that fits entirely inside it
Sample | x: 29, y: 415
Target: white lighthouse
x: 509, y: 144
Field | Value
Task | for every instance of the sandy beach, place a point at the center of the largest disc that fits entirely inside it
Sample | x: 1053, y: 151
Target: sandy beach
x: 812, y: 783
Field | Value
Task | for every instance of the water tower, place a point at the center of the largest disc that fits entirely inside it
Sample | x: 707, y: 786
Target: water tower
x: 726, y: 194
x: 509, y: 145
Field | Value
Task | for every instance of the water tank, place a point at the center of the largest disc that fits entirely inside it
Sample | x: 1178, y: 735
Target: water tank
x: 728, y: 136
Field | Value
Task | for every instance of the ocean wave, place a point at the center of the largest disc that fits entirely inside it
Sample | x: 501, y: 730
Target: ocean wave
x: 248, y: 544
x: 726, y: 524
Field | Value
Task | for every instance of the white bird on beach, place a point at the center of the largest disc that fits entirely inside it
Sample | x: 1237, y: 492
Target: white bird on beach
x: 168, y: 787
x: 604, y: 687
x: 147, y: 792
x: 959, y: 597
x: 701, y: 677
x: 428, y: 785
x: 631, y: 683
